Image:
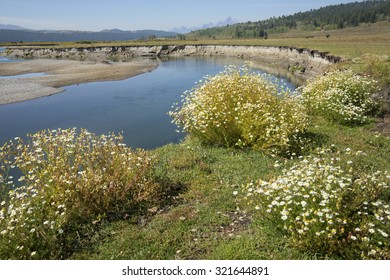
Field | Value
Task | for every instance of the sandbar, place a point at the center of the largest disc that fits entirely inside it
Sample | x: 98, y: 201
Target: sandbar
x: 62, y: 73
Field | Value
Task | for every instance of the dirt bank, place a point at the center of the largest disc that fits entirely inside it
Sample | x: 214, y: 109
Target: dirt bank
x: 298, y: 63
x: 309, y: 62
x: 62, y: 73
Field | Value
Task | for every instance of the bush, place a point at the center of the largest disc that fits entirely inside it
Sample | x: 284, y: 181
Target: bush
x: 341, y: 96
x: 68, y: 180
x: 326, y: 208
x: 377, y: 66
x: 239, y: 108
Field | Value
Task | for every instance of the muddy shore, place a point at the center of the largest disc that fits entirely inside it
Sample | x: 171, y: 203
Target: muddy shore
x: 62, y: 73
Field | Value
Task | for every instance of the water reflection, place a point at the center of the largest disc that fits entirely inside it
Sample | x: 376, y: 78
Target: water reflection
x: 137, y: 106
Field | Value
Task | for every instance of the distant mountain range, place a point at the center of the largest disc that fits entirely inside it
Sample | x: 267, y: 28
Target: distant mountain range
x: 14, y: 33
x: 184, y: 29
x: 11, y: 27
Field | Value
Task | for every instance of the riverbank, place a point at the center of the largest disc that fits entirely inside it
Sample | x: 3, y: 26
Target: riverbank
x: 308, y: 62
x: 89, y: 64
x: 62, y: 73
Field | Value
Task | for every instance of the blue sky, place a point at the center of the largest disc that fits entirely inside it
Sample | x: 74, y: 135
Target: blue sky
x: 94, y: 15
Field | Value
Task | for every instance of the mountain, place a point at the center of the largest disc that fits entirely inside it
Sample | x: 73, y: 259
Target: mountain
x: 184, y: 29
x: 15, y: 35
x: 326, y: 18
x: 11, y: 27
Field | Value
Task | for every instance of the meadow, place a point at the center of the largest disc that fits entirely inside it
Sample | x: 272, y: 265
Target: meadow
x: 320, y: 191
x: 349, y: 42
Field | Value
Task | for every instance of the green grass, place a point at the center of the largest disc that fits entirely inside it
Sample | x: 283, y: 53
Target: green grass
x: 202, y: 221
x: 199, y: 218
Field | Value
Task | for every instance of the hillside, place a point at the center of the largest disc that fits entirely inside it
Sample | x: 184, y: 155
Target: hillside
x: 327, y: 18
x: 12, y: 35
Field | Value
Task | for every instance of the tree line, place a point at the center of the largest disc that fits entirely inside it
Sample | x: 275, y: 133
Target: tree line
x: 326, y: 18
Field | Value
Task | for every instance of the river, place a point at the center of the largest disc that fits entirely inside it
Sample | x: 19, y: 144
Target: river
x: 137, y: 106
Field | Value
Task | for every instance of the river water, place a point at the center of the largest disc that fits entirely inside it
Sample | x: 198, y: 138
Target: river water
x: 137, y: 106
x: 6, y: 59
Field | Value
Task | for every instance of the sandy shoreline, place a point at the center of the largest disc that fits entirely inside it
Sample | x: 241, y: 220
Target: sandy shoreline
x: 62, y: 73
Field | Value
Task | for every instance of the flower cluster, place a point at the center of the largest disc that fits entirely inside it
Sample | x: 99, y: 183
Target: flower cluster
x: 67, y: 179
x: 341, y: 96
x: 239, y: 108
x: 326, y: 209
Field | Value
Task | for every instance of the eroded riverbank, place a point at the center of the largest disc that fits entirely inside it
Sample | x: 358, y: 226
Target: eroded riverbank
x: 311, y: 61
x: 68, y: 66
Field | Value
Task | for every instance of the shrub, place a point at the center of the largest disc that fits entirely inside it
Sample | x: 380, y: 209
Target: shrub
x: 239, y: 108
x: 377, y: 66
x: 341, y: 96
x: 68, y: 180
x: 326, y: 208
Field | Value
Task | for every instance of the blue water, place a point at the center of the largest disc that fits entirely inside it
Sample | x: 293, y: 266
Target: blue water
x: 6, y: 59
x: 29, y: 75
x: 136, y: 106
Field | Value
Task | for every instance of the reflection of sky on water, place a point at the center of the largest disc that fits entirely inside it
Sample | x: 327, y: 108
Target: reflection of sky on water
x: 29, y: 75
x: 137, y: 106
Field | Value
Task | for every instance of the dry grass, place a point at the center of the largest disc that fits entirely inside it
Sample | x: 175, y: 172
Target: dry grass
x: 348, y: 43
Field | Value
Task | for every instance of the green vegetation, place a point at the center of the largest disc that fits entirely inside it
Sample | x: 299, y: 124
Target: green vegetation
x: 83, y: 196
x: 69, y: 183
x: 242, y: 109
x: 87, y: 196
x: 377, y: 66
x: 326, y: 208
x: 341, y: 96
x: 326, y: 18
x: 204, y: 222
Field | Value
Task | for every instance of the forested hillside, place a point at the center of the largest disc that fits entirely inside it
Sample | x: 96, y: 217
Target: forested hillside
x: 326, y: 18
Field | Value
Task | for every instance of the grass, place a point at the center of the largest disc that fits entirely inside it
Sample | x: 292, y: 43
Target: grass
x: 347, y: 43
x: 204, y: 222
x: 200, y: 218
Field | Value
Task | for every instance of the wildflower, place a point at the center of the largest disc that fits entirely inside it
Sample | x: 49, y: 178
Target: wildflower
x: 222, y: 111
x: 372, y: 252
x: 321, y: 213
x: 340, y: 96
x: 384, y: 234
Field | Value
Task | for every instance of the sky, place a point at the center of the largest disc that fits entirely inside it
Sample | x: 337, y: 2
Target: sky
x: 96, y: 15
